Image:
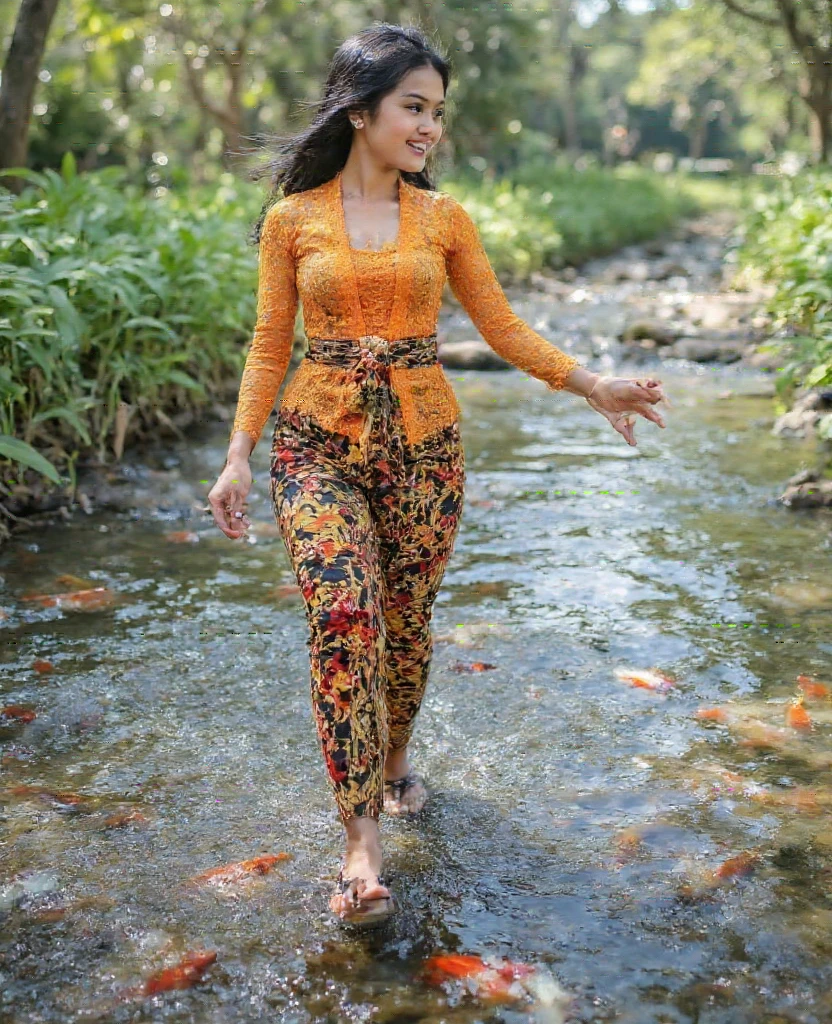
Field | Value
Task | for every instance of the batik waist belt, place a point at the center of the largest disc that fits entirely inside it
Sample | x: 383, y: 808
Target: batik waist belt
x: 370, y: 358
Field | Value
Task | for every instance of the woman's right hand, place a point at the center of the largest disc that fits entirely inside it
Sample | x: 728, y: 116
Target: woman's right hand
x: 227, y: 498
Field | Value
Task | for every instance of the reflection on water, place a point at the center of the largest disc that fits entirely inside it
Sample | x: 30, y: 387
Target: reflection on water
x: 576, y: 822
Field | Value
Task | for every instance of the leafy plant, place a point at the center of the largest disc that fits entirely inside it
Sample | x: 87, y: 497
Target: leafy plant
x: 788, y: 241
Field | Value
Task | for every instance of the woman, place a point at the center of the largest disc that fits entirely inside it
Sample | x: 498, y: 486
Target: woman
x: 367, y: 466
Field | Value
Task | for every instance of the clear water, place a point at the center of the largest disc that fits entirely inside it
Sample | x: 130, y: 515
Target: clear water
x: 188, y: 700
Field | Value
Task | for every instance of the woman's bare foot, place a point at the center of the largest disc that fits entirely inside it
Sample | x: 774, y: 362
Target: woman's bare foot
x: 409, y: 799
x: 362, y: 863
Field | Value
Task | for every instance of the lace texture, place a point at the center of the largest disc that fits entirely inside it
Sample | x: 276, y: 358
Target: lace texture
x: 395, y: 292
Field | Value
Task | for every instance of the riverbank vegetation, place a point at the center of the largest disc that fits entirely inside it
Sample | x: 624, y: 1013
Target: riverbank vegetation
x: 126, y: 314
x: 788, y: 242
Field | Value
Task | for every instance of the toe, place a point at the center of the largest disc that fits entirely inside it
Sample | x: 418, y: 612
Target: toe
x: 374, y: 891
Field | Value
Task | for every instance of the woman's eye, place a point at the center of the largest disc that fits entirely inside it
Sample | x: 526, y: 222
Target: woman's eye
x: 418, y: 109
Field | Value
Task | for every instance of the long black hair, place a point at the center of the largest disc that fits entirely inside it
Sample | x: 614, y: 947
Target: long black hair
x: 365, y: 68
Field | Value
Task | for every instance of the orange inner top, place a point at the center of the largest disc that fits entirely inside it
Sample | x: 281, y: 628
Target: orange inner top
x: 395, y: 292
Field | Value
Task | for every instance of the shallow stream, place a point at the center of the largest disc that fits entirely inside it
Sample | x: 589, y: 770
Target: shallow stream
x: 575, y: 822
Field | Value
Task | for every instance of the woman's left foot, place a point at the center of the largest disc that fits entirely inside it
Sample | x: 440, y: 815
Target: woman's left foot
x: 405, y: 796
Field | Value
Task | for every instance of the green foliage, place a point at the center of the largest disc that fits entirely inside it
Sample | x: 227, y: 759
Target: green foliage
x: 788, y: 241
x: 25, y: 455
x: 116, y: 301
x: 111, y: 296
x: 554, y: 215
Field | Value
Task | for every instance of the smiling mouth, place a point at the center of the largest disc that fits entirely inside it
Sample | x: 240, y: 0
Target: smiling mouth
x: 417, y: 149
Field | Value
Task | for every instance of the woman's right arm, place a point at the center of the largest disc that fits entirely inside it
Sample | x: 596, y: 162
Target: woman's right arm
x: 274, y: 331
x: 266, y: 364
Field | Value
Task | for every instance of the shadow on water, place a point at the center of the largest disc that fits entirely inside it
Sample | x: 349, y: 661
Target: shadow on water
x: 575, y: 822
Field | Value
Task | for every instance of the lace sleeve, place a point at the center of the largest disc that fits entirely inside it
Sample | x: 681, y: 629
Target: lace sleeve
x: 475, y: 284
x: 271, y: 346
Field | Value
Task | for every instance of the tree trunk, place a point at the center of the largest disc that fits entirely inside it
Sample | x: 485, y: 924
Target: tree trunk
x: 821, y: 106
x: 20, y: 78
x: 698, y: 135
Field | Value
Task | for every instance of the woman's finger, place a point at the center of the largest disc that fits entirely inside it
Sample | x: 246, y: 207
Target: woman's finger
x: 217, y: 504
x: 625, y: 425
x: 235, y: 514
x: 650, y: 414
x: 222, y: 507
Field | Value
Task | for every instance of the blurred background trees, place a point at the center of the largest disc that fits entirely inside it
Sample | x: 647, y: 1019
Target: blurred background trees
x: 188, y: 87
x: 573, y: 128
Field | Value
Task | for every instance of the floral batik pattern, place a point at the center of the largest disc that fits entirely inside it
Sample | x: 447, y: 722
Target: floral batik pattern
x: 369, y: 527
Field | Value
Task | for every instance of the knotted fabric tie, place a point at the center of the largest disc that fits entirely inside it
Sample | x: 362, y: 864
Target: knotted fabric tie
x: 370, y: 359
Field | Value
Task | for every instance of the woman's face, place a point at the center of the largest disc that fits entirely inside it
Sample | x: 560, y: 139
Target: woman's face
x: 404, y: 118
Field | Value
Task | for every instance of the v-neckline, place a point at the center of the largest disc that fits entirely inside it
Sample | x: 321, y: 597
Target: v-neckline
x: 389, y: 249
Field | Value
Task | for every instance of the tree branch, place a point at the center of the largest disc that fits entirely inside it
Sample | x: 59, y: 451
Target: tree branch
x: 761, y: 19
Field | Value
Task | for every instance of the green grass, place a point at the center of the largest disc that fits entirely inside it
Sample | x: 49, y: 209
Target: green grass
x: 120, y: 310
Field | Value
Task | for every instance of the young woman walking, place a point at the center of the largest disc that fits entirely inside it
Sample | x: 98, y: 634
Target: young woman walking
x: 367, y: 465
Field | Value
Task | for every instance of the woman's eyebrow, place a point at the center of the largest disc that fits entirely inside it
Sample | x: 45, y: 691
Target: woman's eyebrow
x: 419, y: 96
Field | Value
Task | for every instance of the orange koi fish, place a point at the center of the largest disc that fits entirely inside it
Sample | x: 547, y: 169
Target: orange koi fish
x: 241, y: 870
x: 737, y: 867
x: 73, y: 582
x: 75, y: 600
x: 122, y: 818
x: 63, y: 797
x: 645, y: 679
x: 629, y: 844
x: 811, y: 688
x: 797, y: 716
x: 494, y: 982
x: 42, y: 666
x: 186, y: 973
x: 712, y: 715
x: 757, y: 734
x: 803, y: 799
x: 18, y: 713
x: 740, y: 866
x: 182, y: 537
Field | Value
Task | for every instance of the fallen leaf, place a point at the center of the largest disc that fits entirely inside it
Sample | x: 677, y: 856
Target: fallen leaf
x: 39, y: 665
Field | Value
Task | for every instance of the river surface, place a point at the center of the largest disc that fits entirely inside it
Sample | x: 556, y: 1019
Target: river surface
x: 575, y: 822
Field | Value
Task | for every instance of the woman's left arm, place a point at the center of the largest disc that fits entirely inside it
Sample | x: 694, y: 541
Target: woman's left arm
x: 474, y: 283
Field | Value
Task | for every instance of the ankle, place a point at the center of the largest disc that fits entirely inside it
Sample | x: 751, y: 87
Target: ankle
x: 363, y: 836
x: 395, y: 763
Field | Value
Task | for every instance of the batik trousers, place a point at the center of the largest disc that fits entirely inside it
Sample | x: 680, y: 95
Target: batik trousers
x: 369, y: 527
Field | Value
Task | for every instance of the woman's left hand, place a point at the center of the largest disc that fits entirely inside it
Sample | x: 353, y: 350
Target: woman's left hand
x: 622, y: 399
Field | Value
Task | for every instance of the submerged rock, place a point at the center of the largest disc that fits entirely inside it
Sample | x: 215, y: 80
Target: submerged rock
x: 706, y: 350
x: 656, y: 330
x: 802, y: 419
x: 471, y: 355
x: 807, y: 490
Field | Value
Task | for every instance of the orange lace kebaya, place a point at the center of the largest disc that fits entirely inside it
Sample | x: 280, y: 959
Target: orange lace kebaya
x: 394, y: 292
